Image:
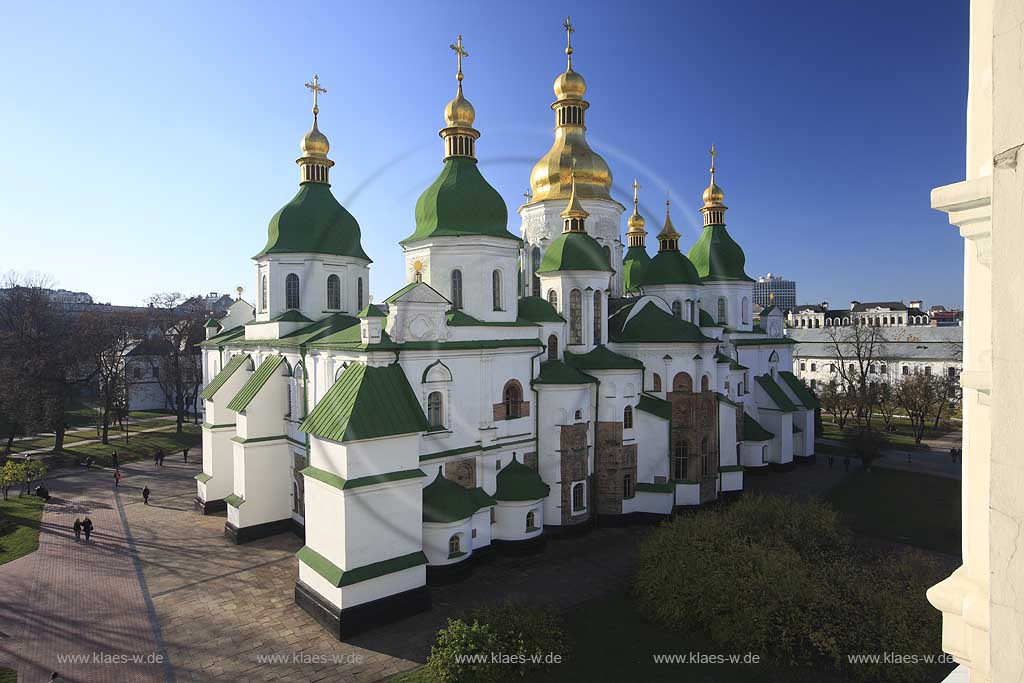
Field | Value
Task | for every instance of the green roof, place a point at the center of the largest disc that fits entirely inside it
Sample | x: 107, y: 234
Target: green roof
x: 633, y: 264
x: 225, y: 336
x: 322, y: 329
x: 763, y: 341
x: 290, y: 316
x: 652, y: 324
x: 256, y: 381
x: 337, y: 576
x: 722, y: 358
x: 655, y: 406
x: 753, y: 431
x: 371, y: 311
x: 767, y: 310
x: 223, y: 376
x: 481, y: 498
x: 557, y: 372
x: 574, y: 251
x: 775, y: 393
x: 516, y: 481
x: 706, y: 320
x: 212, y: 323
x: 538, y: 310
x: 800, y: 389
x: 342, y: 484
x: 460, y: 202
x: 602, y: 358
x: 717, y: 257
x: 445, y: 501
x: 722, y: 398
x: 670, y: 267
x: 408, y: 288
x: 314, y: 222
x: 366, y: 403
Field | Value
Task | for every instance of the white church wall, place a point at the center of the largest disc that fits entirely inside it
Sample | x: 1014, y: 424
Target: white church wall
x: 436, y: 539
x: 510, y: 517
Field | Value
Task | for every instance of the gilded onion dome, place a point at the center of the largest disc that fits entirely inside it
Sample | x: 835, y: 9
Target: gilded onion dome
x: 636, y: 257
x: 550, y: 178
x: 670, y: 266
x: 716, y: 255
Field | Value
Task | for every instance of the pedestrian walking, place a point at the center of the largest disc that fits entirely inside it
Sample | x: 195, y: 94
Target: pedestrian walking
x: 184, y: 453
x: 87, y: 527
x: 115, y: 460
x: 831, y: 459
x: 952, y: 454
x: 160, y: 457
x: 117, y: 478
x: 908, y: 456
x: 145, y: 495
x: 78, y: 529
x: 156, y: 457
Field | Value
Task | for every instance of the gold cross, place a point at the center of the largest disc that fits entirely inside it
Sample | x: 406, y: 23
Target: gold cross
x: 528, y: 194
x: 636, y: 191
x: 315, y: 87
x: 460, y: 53
x: 569, y: 30
x: 713, y: 152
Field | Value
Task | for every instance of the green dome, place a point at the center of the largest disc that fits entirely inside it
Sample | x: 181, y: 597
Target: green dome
x: 670, y: 268
x: 574, y: 251
x: 460, y: 202
x: 516, y: 482
x: 314, y: 222
x: 633, y: 264
x: 445, y: 501
x: 717, y: 256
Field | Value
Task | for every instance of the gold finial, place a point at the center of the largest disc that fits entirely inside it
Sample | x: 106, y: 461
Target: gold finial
x: 636, y: 194
x: 668, y: 202
x: 713, y: 195
x: 528, y: 194
x: 315, y: 87
x: 636, y: 221
x: 771, y: 297
x: 713, y: 152
x: 459, y: 53
x: 239, y: 289
x: 569, y: 30
x: 574, y: 214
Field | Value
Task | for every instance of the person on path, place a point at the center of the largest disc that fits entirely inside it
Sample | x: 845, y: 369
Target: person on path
x: 87, y: 527
x: 117, y: 478
x: 78, y: 529
x: 831, y: 459
x: 115, y: 459
x: 156, y: 457
x: 184, y: 454
x: 145, y: 495
x: 960, y: 454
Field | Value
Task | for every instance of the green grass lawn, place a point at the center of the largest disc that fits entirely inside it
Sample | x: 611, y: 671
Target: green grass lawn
x: 909, y: 507
x: 140, y: 446
x: 115, y: 434
x: 19, y: 527
x: 8, y: 675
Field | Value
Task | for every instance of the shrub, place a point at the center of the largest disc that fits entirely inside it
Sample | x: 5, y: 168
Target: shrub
x: 782, y: 578
x: 525, y: 640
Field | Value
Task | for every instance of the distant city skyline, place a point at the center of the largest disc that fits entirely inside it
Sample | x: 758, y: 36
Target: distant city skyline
x: 163, y: 169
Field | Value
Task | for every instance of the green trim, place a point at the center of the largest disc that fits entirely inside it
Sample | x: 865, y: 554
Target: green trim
x: 731, y: 468
x: 223, y: 376
x: 382, y: 568
x: 655, y: 406
x: 452, y: 556
x: 531, y: 529
x: 474, y: 449
x: 234, y: 500
x: 207, y: 425
x: 203, y: 477
x: 256, y: 382
x: 775, y: 393
x: 800, y: 389
x: 764, y: 341
x: 320, y: 564
x: 342, y: 484
x: 218, y: 341
x: 655, y: 488
x: 411, y: 286
x: 258, y: 439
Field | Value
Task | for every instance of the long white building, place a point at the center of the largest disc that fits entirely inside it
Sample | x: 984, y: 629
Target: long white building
x: 408, y: 439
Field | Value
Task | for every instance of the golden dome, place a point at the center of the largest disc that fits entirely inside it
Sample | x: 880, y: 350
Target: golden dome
x: 669, y: 231
x: 713, y: 195
x: 459, y: 113
x: 574, y: 209
x: 570, y: 86
x: 551, y: 176
x: 636, y: 222
x: 314, y: 143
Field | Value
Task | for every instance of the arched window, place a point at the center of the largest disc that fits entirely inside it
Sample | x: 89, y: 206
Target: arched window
x: 705, y: 383
x: 333, y: 293
x: 456, y: 288
x: 291, y: 291
x: 263, y: 293
x: 299, y: 380
x: 803, y: 366
x: 608, y: 255
x: 764, y: 454
x: 553, y: 298
x: 496, y: 290
x: 579, y: 499
x: 531, y: 521
x: 575, y: 317
x: 704, y: 457
x: 512, y: 397
x: 814, y: 367
x: 578, y: 415
x: 656, y: 382
x: 745, y: 311
x: 689, y: 312
x: 553, y: 347
x: 454, y: 545
x: 723, y: 318
x: 359, y: 293
x: 627, y: 417
x: 535, y: 258
x: 627, y: 485
x: 681, y: 462
x: 435, y: 409
x: 682, y: 383
x: 597, y: 316
x: 677, y: 308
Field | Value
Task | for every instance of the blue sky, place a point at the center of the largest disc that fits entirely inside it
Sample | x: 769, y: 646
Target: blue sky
x: 146, y: 145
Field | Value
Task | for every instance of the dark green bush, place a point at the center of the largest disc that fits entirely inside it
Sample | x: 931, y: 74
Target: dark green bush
x: 524, y: 640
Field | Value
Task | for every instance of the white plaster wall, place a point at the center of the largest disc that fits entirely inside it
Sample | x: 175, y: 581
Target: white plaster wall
x: 658, y: 503
x: 357, y: 459
x: 381, y: 522
x: 263, y: 478
x: 588, y: 282
x: 652, y: 448
x: 732, y: 481
x: 313, y: 271
x: 436, y: 537
x: 511, y: 519
x: 218, y: 462
x: 687, y: 494
x: 727, y: 434
x: 482, y: 526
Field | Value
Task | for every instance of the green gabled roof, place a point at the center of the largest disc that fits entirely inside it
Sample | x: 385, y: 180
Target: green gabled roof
x: 408, y: 288
x: 289, y: 316
x: 212, y: 322
x: 800, y: 389
x: 736, y: 366
x: 445, y: 501
x: 366, y: 403
x: 722, y: 398
x: 633, y: 264
x: 481, y: 498
x: 456, y: 317
x: 722, y: 358
x: 517, y: 482
x: 601, y: 358
x: 538, y: 310
x: 460, y: 203
x: 717, y: 257
x: 669, y: 267
x: 775, y: 393
x: 767, y: 310
x: 753, y: 431
x: 763, y: 341
x: 322, y: 329
x: 655, y: 406
x: 574, y: 251
x: 225, y: 336
x: 706, y: 320
x: 252, y: 387
x: 557, y: 372
x: 652, y: 324
x: 223, y: 376
x: 371, y: 311
x: 314, y: 222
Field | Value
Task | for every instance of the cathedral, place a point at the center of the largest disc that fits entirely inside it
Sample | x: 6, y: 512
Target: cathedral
x: 517, y: 388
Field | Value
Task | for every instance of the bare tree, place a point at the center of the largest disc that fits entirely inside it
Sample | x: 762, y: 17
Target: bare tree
x: 110, y: 340
x: 857, y: 350
x: 920, y: 395
x: 886, y: 402
x: 176, y: 366
x: 952, y: 396
x: 836, y: 402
